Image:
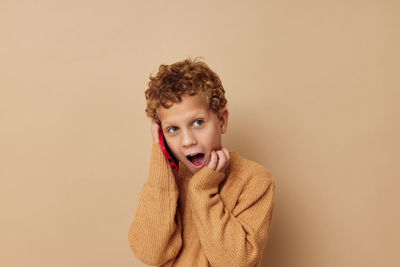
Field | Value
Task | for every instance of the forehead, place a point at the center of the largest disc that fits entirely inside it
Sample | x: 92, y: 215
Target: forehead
x: 189, y: 107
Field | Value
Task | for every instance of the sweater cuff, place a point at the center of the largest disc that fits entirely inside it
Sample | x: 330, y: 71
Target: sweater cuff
x: 160, y: 174
x: 206, y: 178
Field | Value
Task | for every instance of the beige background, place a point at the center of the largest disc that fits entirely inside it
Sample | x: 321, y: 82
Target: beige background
x: 313, y: 90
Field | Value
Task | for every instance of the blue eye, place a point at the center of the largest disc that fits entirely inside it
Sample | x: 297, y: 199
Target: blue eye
x: 198, y: 122
x: 172, y: 129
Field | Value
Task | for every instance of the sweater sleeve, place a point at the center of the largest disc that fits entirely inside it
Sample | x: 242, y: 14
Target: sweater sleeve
x: 237, y: 237
x: 155, y: 235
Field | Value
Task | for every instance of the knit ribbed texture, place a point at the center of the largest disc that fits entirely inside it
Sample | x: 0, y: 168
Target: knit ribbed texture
x: 206, y: 219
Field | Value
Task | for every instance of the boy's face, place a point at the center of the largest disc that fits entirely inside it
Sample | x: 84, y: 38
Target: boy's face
x: 192, y: 130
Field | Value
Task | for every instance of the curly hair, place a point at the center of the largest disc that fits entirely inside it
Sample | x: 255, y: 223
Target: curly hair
x: 187, y: 77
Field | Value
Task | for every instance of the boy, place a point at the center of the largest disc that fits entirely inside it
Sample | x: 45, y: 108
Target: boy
x: 217, y: 209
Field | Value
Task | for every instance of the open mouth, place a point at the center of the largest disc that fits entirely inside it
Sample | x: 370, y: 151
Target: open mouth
x: 197, y: 160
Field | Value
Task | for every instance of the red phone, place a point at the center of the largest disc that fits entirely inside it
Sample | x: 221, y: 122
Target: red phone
x: 167, y: 152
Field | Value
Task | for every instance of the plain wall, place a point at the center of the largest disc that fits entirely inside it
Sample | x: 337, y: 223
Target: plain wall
x: 313, y: 92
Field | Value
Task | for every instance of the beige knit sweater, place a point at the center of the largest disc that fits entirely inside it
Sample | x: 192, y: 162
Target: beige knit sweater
x: 206, y: 219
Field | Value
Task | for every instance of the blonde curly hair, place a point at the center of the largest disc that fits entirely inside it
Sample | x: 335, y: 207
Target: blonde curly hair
x: 187, y: 77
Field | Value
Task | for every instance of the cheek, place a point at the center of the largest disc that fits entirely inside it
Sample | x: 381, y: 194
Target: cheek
x: 173, y: 145
x: 176, y: 149
x: 212, y: 139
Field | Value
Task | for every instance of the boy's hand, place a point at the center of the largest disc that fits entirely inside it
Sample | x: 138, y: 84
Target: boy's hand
x: 154, y: 131
x: 219, y: 160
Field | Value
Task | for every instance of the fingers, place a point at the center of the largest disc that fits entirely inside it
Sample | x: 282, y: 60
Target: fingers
x: 222, y: 160
x: 155, y: 128
x: 226, y: 152
x: 219, y: 160
x: 213, y: 160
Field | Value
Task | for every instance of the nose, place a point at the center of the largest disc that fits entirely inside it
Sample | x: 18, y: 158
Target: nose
x: 188, y: 138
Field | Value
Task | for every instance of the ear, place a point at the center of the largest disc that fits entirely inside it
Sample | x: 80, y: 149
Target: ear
x: 223, y: 120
